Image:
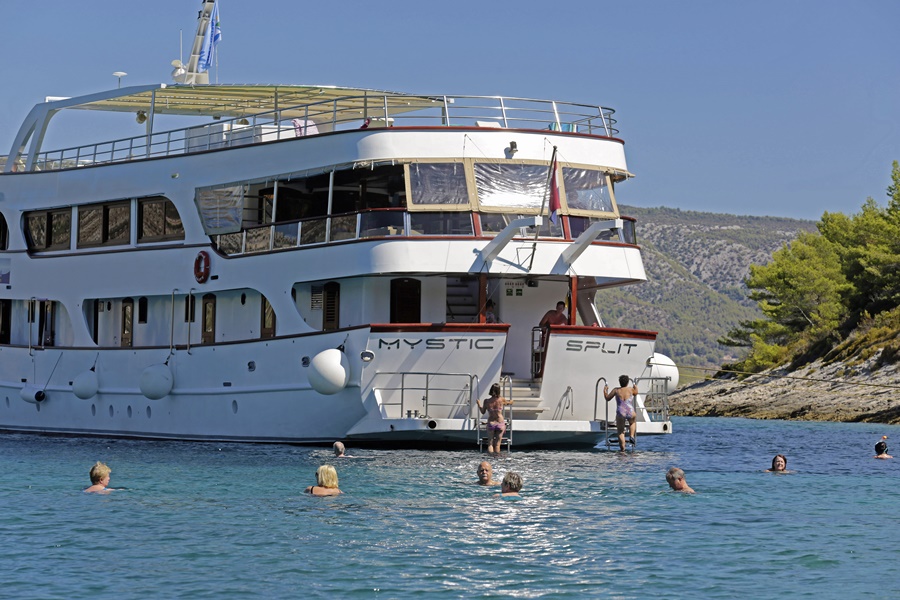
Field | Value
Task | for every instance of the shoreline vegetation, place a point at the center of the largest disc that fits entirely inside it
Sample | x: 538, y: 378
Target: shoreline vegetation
x: 827, y: 344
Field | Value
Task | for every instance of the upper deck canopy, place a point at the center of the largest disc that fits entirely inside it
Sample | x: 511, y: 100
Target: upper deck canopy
x: 277, y: 110
x: 237, y: 101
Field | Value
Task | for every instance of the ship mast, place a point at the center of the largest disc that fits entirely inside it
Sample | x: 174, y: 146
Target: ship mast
x: 192, y: 73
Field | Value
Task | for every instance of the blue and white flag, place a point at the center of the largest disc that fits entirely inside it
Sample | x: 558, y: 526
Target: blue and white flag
x: 210, y: 40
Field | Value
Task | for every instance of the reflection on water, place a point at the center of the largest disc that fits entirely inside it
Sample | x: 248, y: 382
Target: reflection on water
x: 223, y: 521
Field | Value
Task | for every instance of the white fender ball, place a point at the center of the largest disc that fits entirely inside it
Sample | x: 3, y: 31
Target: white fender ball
x: 86, y: 385
x: 157, y: 381
x: 329, y: 371
x: 663, y: 366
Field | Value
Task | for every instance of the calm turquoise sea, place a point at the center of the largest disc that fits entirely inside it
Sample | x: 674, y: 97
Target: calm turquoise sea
x: 231, y: 521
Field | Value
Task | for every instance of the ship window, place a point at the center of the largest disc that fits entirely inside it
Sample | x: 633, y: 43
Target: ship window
x: 503, y: 186
x: 629, y: 230
x: 368, y: 188
x: 49, y: 230
x: 4, y: 233
x: 158, y: 221
x: 431, y: 185
x: 119, y: 217
x: 47, y: 322
x: 440, y: 223
x: 587, y: 190
x: 331, y: 306
x: 5, y: 315
x: 406, y: 300
x: 127, y: 322
x: 104, y: 224
x: 142, y: 309
x: 189, y: 306
x: 267, y: 319
x: 96, y: 307
x: 578, y: 225
x: 208, y: 334
x: 494, y: 223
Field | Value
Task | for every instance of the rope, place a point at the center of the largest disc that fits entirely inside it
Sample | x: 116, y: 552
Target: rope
x: 815, y: 379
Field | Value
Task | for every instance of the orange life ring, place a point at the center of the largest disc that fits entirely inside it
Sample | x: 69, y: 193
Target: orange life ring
x: 201, y: 267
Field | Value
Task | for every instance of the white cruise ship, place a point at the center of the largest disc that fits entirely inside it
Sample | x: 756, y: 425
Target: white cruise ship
x: 304, y: 264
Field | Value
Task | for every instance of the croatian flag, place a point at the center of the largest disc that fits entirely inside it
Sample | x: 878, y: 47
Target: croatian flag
x: 210, y: 41
x: 554, y: 194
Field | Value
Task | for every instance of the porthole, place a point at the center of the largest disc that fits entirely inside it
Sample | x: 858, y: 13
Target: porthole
x: 93, y: 410
x: 234, y: 406
x: 148, y: 412
x: 111, y: 411
x: 7, y: 402
x: 129, y: 412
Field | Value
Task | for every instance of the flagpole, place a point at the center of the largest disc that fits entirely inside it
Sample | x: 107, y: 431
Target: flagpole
x: 537, y: 230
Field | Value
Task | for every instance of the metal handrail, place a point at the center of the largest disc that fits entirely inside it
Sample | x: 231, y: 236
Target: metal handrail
x: 341, y: 115
x: 469, y: 389
x: 656, y: 400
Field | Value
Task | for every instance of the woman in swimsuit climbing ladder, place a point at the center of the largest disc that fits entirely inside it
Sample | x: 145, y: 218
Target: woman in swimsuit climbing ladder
x: 496, y: 424
x: 624, y: 409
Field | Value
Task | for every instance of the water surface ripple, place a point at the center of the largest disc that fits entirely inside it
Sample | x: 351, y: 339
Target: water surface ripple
x: 231, y: 521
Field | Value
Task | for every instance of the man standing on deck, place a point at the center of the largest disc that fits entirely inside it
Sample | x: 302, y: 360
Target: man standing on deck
x: 554, y: 317
x: 551, y: 317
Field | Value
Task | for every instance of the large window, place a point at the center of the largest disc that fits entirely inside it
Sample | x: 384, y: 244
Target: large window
x: 49, y: 229
x: 158, y: 221
x: 438, y: 184
x: 503, y: 186
x: 104, y: 224
x: 587, y: 190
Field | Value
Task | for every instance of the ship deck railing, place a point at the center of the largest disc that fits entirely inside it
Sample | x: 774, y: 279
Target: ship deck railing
x: 375, y: 223
x: 334, y: 115
x: 418, y: 394
x: 371, y: 223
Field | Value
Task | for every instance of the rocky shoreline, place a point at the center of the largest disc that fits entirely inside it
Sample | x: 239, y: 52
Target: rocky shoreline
x: 817, y: 392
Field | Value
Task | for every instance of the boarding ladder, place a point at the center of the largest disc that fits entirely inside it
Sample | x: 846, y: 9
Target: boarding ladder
x: 610, y: 433
x: 654, y: 407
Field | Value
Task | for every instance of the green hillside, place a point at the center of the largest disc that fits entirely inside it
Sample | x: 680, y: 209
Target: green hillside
x: 696, y: 266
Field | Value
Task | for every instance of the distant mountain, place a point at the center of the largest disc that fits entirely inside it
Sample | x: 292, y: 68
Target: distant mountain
x: 696, y: 265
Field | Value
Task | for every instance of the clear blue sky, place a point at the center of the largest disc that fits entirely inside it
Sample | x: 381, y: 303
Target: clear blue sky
x: 786, y: 108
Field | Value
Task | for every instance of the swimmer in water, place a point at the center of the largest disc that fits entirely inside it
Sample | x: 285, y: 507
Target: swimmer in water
x: 511, y: 485
x: 779, y: 464
x: 99, y: 479
x: 881, y: 449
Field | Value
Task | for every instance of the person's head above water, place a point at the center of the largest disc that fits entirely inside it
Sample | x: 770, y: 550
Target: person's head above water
x: 98, y: 472
x: 779, y: 463
x: 485, y: 473
x: 881, y: 448
x: 512, y: 482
